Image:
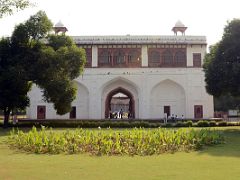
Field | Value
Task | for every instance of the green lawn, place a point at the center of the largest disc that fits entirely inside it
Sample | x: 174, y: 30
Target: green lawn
x: 217, y: 162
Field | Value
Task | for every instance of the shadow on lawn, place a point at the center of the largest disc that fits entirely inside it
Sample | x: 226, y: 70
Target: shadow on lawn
x: 6, y: 131
x: 231, y: 147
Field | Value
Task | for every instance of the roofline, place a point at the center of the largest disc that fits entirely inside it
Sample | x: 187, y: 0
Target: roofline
x: 139, y: 39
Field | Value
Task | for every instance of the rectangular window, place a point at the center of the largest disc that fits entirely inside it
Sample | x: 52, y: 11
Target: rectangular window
x: 154, y: 57
x: 198, y: 111
x: 73, y: 113
x: 104, y: 57
x: 197, y: 60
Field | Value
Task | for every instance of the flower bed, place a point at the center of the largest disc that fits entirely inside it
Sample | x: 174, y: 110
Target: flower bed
x: 113, y: 142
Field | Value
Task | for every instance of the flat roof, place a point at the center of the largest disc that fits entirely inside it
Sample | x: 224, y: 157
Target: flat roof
x: 134, y: 39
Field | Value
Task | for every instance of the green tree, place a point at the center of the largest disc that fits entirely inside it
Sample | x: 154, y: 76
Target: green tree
x: 7, y: 7
x: 13, y: 87
x: 226, y: 102
x: 32, y: 56
x: 222, y: 63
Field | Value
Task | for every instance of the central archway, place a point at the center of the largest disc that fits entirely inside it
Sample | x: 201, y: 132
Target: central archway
x: 131, y: 104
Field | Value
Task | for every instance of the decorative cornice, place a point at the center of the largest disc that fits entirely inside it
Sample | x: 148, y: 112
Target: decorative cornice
x: 95, y: 40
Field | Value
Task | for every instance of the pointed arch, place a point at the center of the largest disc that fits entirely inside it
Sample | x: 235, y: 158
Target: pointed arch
x: 125, y: 92
x: 123, y: 85
x: 81, y: 103
x: 170, y: 81
x: 167, y: 93
x: 120, y: 80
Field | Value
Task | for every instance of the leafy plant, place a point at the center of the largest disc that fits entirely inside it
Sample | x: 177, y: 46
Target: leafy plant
x: 202, y: 123
x: 137, y: 141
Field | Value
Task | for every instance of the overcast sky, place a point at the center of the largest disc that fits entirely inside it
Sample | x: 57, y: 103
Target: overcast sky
x: 134, y: 17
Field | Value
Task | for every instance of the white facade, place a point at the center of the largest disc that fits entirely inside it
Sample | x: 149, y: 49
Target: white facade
x: 152, y: 88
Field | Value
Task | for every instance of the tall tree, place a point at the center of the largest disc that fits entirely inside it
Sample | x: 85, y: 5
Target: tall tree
x: 13, y: 86
x: 222, y: 63
x: 7, y: 7
x: 26, y: 59
x: 226, y: 102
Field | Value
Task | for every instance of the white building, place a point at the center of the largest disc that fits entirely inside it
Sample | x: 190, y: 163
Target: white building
x: 157, y: 74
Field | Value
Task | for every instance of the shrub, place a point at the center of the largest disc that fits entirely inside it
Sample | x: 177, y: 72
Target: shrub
x: 179, y: 124
x: 202, y: 123
x: 167, y: 125
x: 212, y: 123
x: 233, y: 124
x: 189, y: 123
x: 222, y: 123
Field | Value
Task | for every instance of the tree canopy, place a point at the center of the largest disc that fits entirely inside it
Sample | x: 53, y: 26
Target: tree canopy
x: 30, y: 56
x: 7, y: 7
x: 222, y: 63
x: 226, y: 102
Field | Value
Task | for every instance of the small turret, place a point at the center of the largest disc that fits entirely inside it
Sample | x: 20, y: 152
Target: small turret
x: 179, y: 27
x: 60, y: 28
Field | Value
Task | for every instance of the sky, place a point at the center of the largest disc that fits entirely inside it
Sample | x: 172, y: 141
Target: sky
x: 135, y: 17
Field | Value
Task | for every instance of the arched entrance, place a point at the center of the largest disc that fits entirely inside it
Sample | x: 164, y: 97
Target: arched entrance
x: 120, y: 98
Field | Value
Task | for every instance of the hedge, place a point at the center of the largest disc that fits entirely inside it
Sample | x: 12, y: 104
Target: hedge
x: 119, y: 123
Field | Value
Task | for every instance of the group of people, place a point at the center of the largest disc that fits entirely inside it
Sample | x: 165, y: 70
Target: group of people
x: 118, y: 115
x: 172, y: 117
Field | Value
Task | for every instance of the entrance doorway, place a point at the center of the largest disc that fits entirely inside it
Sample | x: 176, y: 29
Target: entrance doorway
x: 41, y: 112
x: 167, y: 110
x: 198, y: 111
x: 120, y: 104
x: 72, y: 114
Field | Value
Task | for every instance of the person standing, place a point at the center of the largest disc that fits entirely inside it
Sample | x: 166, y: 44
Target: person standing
x: 182, y: 117
x: 121, y: 113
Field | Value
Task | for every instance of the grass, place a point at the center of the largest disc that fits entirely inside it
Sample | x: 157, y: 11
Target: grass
x: 216, y: 162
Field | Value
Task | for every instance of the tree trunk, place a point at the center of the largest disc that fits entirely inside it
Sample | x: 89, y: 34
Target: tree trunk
x: 6, y: 118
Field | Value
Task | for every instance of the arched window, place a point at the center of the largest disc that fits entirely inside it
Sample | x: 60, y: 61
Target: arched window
x: 167, y: 58
x: 133, y: 56
x: 180, y: 59
x: 119, y: 57
x: 105, y: 57
x: 154, y: 56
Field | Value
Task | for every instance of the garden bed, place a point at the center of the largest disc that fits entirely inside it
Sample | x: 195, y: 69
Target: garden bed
x: 113, y: 142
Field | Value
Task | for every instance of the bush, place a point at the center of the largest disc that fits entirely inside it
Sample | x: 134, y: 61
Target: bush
x: 202, y: 123
x: 189, y: 123
x: 212, y: 123
x: 179, y: 124
x: 116, y: 123
x: 222, y: 123
x: 233, y: 124
x: 167, y: 125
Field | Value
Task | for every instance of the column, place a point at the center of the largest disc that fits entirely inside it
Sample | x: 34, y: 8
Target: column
x: 94, y: 56
x: 144, y: 56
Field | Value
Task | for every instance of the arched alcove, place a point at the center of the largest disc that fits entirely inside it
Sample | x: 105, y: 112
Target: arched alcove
x: 82, y: 101
x: 167, y: 97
